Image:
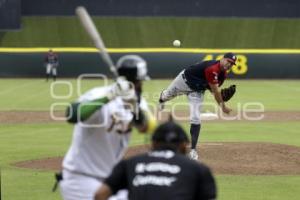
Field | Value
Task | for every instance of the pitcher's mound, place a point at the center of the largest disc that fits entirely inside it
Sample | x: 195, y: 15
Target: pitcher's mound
x: 223, y: 158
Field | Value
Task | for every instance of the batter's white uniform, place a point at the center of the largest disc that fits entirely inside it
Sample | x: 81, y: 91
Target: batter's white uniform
x: 96, y: 147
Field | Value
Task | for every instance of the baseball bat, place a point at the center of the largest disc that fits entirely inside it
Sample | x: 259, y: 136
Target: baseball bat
x: 94, y: 34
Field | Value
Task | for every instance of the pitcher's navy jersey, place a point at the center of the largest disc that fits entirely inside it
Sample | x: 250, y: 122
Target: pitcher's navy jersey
x: 200, y: 74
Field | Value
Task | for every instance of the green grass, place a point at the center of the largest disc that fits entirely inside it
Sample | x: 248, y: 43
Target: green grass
x: 34, y: 94
x: 258, y: 187
x: 280, y: 133
x: 157, y: 32
x: 28, y: 185
x: 32, y: 141
x: 35, y: 141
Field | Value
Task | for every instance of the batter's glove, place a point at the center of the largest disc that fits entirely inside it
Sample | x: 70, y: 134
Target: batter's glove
x: 122, y: 88
x: 227, y: 93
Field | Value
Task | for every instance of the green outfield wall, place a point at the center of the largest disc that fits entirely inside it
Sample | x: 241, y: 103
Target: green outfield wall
x: 162, y: 62
x: 147, y: 32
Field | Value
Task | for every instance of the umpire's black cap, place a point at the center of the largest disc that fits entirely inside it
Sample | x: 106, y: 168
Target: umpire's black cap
x: 169, y: 133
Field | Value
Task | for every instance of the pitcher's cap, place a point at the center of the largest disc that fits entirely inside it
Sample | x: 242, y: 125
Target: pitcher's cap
x: 231, y: 57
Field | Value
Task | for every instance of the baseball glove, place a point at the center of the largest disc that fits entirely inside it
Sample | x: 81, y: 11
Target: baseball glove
x: 227, y: 93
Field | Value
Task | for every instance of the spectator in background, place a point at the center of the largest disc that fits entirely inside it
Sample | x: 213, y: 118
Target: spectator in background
x: 51, y: 63
x: 163, y: 173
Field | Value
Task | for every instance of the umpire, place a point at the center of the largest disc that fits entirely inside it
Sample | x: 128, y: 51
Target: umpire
x: 163, y: 173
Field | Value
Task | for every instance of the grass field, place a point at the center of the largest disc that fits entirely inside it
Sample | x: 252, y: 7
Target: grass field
x: 141, y: 32
x: 27, y: 141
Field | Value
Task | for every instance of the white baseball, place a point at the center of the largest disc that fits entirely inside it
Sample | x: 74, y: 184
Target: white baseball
x: 176, y: 43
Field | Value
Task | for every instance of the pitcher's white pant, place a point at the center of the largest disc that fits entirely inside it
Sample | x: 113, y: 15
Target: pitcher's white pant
x: 179, y: 87
x: 80, y: 187
x: 51, y: 68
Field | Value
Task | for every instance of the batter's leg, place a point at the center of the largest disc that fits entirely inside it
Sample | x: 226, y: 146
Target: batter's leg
x: 74, y: 186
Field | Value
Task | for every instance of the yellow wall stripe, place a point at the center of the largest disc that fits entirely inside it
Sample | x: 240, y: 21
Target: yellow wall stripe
x: 151, y: 50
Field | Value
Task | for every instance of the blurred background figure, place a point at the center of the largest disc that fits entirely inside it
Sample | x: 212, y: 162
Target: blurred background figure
x: 51, y: 63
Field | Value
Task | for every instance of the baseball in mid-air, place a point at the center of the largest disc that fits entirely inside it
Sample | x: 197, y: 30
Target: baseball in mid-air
x: 176, y: 43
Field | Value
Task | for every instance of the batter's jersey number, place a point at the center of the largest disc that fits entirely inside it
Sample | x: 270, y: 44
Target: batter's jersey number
x: 241, y: 66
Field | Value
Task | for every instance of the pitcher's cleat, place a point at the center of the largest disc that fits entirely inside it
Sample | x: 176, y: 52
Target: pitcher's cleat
x: 193, y: 154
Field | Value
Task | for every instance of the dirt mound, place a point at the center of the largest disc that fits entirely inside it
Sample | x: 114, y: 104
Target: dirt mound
x: 223, y: 158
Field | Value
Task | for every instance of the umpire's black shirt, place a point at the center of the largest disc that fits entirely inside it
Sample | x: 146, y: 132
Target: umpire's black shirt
x: 163, y: 175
